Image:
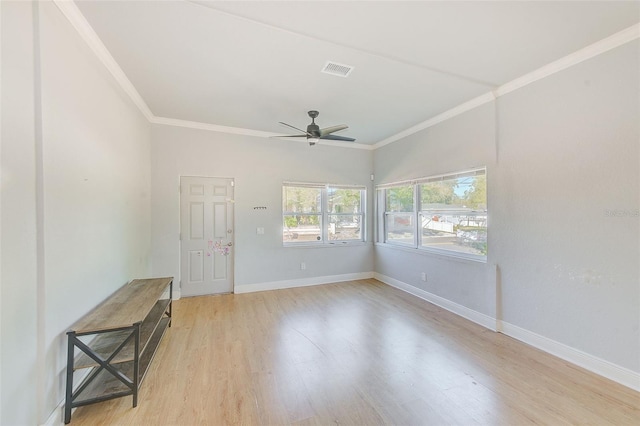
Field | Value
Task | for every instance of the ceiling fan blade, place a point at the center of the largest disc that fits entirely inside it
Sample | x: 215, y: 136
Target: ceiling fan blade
x: 337, y: 138
x: 290, y: 136
x: 332, y: 129
x: 300, y: 130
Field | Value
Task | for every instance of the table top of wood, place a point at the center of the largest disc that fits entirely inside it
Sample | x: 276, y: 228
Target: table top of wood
x: 127, y: 306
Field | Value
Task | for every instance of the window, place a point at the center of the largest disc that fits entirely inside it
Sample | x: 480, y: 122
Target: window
x: 322, y: 214
x: 345, y: 213
x: 445, y: 214
x: 302, y: 213
x: 400, y: 215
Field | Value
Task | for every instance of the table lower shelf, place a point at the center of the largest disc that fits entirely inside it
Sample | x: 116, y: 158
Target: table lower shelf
x: 106, y: 386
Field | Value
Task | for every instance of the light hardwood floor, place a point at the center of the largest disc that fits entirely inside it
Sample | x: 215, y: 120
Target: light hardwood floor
x: 359, y: 353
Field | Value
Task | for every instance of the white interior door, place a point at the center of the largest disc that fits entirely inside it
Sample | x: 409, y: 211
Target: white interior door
x: 206, y: 235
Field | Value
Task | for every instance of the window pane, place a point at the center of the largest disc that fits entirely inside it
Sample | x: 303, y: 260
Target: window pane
x: 300, y: 199
x: 400, y: 228
x: 302, y: 228
x: 466, y: 192
x: 437, y: 194
x: 344, y: 200
x: 454, y: 214
x: 399, y: 199
x: 345, y: 227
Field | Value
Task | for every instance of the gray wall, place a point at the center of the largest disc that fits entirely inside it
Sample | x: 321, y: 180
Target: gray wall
x: 75, y: 199
x: 18, y: 291
x: 569, y: 154
x: 259, y: 167
x: 462, y: 143
x: 562, y: 163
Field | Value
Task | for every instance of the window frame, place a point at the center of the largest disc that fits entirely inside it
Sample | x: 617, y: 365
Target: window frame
x: 325, y: 215
x: 382, y: 215
x: 387, y: 214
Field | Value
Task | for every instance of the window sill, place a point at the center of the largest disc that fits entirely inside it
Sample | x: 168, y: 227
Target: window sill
x: 326, y: 245
x: 449, y: 255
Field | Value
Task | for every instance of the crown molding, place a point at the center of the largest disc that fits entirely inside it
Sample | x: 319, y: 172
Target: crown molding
x: 352, y: 145
x: 70, y: 10
x: 467, y: 106
x: 616, y: 40
x: 77, y: 19
x: 210, y: 127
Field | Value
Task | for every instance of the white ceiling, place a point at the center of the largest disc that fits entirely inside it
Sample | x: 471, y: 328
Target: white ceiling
x: 250, y: 65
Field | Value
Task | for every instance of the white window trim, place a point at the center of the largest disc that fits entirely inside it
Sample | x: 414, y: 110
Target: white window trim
x: 324, y: 216
x: 416, y: 247
x: 430, y: 252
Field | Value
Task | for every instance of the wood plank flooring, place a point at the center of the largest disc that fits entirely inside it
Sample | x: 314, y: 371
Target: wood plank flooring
x: 354, y: 353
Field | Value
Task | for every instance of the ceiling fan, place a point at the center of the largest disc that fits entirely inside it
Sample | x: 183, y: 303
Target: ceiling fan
x: 314, y: 133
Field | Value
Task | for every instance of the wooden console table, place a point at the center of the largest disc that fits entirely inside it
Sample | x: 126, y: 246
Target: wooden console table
x: 117, y: 340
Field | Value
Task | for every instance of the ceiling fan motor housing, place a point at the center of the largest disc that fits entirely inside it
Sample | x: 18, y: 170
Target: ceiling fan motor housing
x: 314, y: 129
x: 313, y: 133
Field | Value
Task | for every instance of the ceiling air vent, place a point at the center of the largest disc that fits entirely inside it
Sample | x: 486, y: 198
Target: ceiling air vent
x: 334, y: 68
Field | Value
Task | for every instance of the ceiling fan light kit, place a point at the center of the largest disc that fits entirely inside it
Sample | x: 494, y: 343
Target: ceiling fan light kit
x: 314, y: 133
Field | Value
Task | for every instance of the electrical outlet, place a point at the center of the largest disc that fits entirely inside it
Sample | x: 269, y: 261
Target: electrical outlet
x: 303, y: 266
x: 424, y: 276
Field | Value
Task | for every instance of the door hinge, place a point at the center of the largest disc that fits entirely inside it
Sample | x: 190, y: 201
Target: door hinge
x: 233, y: 183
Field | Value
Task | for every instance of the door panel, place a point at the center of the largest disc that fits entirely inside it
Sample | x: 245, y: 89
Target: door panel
x: 196, y: 266
x: 219, y: 190
x: 219, y: 271
x: 220, y: 220
x: 206, y: 224
x: 197, y: 221
x: 196, y: 189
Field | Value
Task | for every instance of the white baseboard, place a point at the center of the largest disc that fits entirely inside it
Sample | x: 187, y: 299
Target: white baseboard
x: 474, y: 316
x: 621, y: 375
x: 611, y: 371
x: 57, y: 415
x: 176, y: 294
x: 625, y: 377
x: 302, y: 282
